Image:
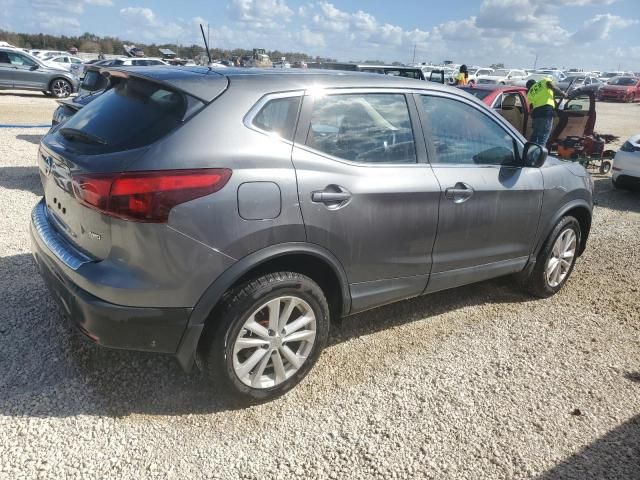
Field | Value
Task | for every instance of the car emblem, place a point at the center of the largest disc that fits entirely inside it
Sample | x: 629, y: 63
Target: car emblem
x: 48, y: 165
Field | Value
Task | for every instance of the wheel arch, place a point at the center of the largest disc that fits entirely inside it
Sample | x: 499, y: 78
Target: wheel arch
x: 579, y: 209
x: 308, y: 259
x: 59, y: 77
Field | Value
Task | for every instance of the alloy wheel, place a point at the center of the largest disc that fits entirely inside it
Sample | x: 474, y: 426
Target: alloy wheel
x: 61, y: 88
x: 562, y: 257
x: 274, y: 342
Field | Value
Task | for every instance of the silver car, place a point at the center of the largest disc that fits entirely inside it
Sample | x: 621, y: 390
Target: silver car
x: 21, y: 71
x: 228, y: 217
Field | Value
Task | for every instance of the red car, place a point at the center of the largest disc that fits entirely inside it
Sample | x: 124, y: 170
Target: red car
x: 621, y: 89
x: 575, y: 117
x: 508, y: 100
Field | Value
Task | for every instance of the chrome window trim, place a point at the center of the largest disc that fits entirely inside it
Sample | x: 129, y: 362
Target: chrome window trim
x: 61, y: 248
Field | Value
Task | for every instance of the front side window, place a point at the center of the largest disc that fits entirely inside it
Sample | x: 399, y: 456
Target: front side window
x: 4, y: 57
x: 364, y: 128
x: 21, y: 60
x: 462, y: 135
x: 279, y: 116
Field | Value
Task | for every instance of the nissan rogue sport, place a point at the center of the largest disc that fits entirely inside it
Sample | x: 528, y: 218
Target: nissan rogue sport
x: 226, y: 217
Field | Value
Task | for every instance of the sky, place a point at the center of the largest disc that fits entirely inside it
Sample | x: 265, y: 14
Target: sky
x: 590, y: 34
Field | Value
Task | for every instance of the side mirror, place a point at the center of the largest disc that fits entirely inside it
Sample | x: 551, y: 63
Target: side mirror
x: 34, y: 67
x: 534, y: 155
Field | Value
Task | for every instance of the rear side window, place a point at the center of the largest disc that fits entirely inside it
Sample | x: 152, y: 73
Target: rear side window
x: 93, y: 81
x: 132, y: 114
x: 279, y: 116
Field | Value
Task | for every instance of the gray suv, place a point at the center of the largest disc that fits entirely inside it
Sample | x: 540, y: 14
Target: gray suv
x: 21, y: 71
x: 226, y: 217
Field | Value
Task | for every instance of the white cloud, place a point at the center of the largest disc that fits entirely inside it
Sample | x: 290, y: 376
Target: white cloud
x: 599, y: 27
x: 100, y: 3
x: 260, y: 13
x: 311, y: 40
x: 139, y: 14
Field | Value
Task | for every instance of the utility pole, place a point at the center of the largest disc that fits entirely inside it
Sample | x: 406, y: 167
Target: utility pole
x: 208, y: 39
x: 414, y: 53
x: 535, y: 63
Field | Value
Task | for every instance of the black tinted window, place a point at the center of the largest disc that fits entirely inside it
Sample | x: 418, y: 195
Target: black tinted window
x: 279, y: 116
x: 132, y: 114
x: 463, y: 135
x: 93, y: 81
x: 367, y: 128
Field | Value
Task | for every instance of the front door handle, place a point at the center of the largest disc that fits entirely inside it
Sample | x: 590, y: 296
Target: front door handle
x: 332, y: 196
x: 460, y: 192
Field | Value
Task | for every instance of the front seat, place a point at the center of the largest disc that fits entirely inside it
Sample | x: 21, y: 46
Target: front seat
x: 512, y: 113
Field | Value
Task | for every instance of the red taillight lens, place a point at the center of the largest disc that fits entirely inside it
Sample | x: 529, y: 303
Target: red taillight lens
x: 146, y: 196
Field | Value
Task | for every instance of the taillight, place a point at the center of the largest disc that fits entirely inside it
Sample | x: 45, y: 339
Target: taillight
x: 146, y: 196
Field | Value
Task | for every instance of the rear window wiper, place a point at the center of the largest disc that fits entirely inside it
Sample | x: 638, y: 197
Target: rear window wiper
x: 85, y: 137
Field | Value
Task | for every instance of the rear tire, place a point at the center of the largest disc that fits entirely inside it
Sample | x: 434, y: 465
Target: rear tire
x: 554, y: 265
x: 605, y: 167
x: 243, y: 327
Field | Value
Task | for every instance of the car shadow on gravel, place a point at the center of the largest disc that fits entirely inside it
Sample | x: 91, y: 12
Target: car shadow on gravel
x: 606, y: 196
x: 50, y: 370
x: 615, y: 455
x: 35, y: 139
x: 23, y: 94
x: 21, y: 178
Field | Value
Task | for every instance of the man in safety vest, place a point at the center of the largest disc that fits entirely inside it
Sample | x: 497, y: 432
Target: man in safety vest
x: 541, y: 96
x: 462, y: 78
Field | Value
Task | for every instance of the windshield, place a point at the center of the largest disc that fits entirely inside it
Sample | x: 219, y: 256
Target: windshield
x: 500, y: 73
x: 132, y: 114
x: 480, y: 94
x: 623, y: 81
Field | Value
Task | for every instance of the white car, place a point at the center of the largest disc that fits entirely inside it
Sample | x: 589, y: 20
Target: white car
x: 63, y: 61
x: 140, y: 61
x: 626, y: 164
x: 502, y: 76
x: 475, y: 73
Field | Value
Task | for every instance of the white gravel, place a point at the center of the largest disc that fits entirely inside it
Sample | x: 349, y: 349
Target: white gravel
x: 476, y: 383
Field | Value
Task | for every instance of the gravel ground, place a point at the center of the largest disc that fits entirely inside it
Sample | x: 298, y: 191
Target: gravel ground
x: 480, y: 382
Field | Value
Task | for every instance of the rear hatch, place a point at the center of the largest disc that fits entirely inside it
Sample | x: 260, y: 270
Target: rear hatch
x: 103, y: 140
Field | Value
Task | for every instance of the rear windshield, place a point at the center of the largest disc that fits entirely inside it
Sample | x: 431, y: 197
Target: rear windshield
x: 481, y: 94
x: 131, y: 114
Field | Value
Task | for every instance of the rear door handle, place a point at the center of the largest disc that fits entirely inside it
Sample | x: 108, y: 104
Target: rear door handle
x: 333, y: 196
x: 460, y: 192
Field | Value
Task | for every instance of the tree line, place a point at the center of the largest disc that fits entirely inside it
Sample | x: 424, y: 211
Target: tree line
x: 89, y: 43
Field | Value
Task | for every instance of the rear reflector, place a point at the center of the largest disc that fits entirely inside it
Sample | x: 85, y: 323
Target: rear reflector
x: 146, y: 196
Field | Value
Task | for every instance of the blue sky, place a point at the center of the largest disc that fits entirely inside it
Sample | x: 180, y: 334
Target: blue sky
x: 602, y: 34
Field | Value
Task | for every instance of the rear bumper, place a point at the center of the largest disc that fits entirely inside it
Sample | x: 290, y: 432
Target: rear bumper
x: 154, y: 329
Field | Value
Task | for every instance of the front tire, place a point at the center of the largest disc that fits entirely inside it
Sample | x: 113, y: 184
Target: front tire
x: 60, y: 88
x: 266, y: 336
x: 556, y: 260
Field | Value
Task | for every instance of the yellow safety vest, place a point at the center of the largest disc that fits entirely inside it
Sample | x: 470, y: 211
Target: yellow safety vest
x: 462, y: 79
x: 540, y: 94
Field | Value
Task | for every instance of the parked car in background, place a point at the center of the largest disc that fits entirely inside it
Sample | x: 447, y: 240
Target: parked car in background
x: 579, y: 80
x: 46, y: 54
x: 21, y: 71
x: 502, y: 77
x: 626, y: 165
x: 393, y: 70
x: 621, y: 89
x: 556, y: 75
x: 79, y: 69
x: 92, y: 86
x: 63, y: 61
x: 509, y: 101
x: 606, y: 76
x: 475, y: 73
x: 157, y: 233
x: 281, y: 65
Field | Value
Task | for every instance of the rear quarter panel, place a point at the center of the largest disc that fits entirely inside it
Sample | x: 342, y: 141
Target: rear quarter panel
x: 217, y: 138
